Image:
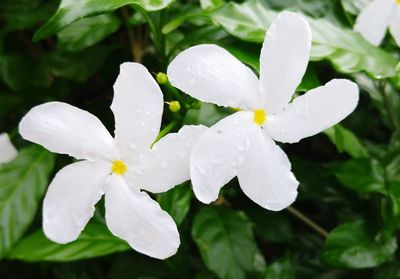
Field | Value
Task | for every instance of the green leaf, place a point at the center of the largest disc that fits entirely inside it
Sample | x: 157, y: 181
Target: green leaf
x: 176, y: 202
x: 388, y: 271
x: 354, y: 7
x: 207, y: 114
x: 352, y: 245
x: 210, y: 5
x: 281, y: 269
x: 346, y: 141
x: 20, y: 72
x: 78, y: 66
x: 226, y: 242
x: 392, y: 172
x: 70, y: 11
x: 21, y: 15
x: 87, y: 32
x: 362, y: 175
x: 344, y: 48
x: 94, y: 241
x: 22, y: 186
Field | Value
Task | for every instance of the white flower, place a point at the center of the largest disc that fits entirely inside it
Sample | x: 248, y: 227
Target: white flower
x: 376, y: 18
x: 118, y: 168
x: 7, y: 149
x: 241, y: 144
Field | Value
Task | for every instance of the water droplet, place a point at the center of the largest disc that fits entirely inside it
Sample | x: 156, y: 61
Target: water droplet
x: 283, y: 131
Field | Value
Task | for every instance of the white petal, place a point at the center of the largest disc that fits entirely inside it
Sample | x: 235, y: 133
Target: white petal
x: 265, y: 175
x: 70, y: 199
x: 133, y: 216
x: 284, y: 58
x: 167, y: 163
x: 395, y: 25
x: 7, y: 149
x: 211, y: 74
x: 314, y: 111
x: 137, y: 108
x: 65, y: 129
x: 218, y: 153
x: 373, y: 21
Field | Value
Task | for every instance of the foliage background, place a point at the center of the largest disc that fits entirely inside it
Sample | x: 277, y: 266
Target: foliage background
x: 349, y: 175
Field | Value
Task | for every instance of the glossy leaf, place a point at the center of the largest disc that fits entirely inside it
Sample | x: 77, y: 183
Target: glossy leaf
x: 70, y: 11
x: 362, y: 175
x: 346, y: 141
x: 226, y: 242
x: 87, y: 32
x: 344, y: 48
x: 95, y: 241
x: 23, y: 183
x: 352, y: 245
x: 176, y: 202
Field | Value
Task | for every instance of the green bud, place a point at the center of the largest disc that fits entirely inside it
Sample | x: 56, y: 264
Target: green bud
x: 174, y: 106
x: 162, y: 78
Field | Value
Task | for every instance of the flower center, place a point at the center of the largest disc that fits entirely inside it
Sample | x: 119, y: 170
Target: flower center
x: 259, y: 116
x: 118, y: 167
x: 398, y: 2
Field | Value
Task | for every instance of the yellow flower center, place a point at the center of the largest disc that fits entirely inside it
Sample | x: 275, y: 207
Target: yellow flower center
x: 259, y: 116
x: 398, y: 2
x: 118, y: 167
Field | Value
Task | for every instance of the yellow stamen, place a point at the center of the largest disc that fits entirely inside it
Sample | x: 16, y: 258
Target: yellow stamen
x: 259, y: 116
x: 118, y: 167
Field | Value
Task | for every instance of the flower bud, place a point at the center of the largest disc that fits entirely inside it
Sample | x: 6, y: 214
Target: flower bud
x: 162, y: 78
x: 174, y: 106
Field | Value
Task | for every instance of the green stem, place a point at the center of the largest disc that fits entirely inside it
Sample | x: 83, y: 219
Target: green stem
x: 296, y: 213
x: 153, y: 28
x: 166, y: 130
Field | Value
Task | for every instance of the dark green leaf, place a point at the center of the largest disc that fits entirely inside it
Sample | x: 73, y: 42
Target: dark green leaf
x: 352, y: 245
x: 388, y: 271
x: 22, y: 186
x: 78, y: 66
x: 281, y: 269
x: 346, y: 141
x: 176, y: 202
x: 87, y: 32
x: 362, y: 175
x: 226, y: 242
x: 70, y: 11
x: 21, y: 72
x: 345, y: 49
x: 20, y: 15
x: 94, y: 241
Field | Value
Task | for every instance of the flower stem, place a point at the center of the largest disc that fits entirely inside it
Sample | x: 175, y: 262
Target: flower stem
x: 166, y: 130
x: 307, y: 221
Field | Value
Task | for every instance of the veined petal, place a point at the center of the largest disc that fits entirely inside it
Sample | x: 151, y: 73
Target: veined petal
x: 218, y: 153
x: 65, y: 129
x: 313, y: 112
x: 284, y: 58
x: 373, y: 21
x: 265, y: 175
x: 7, y: 149
x: 70, y: 199
x: 167, y: 163
x: 211, y: 74
x: 137, y: 108
x: 133, y: 216
x: 394, y: 25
